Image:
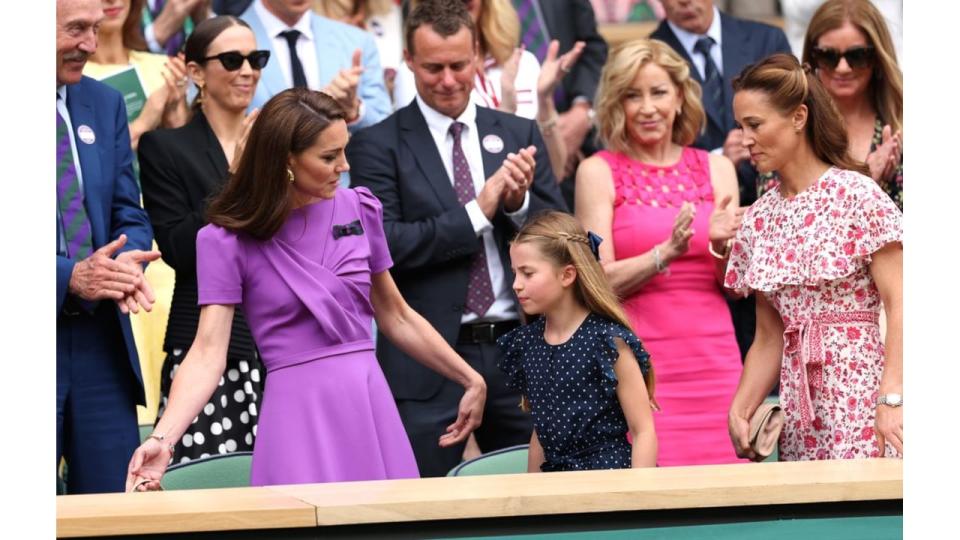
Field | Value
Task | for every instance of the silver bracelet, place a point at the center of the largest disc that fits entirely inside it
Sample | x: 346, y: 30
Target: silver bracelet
x: 658, y: 262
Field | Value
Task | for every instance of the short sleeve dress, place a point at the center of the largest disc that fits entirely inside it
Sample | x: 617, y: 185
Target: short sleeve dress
x: 810, y: 255
x: 572, y: 390
x: 327, y: 413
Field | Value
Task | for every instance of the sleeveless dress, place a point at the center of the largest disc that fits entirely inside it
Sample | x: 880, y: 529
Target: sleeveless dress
x: 809, y: 255
x: 682, y: 316
x: 572, y: 390
x: 327, y: 413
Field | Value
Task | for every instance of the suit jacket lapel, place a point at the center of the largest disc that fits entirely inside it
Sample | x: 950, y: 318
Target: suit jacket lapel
x: 217, y: 165
x: 736, y: 53
x: 416, y: 135
x: 327, y: 65
x: 81, y: 114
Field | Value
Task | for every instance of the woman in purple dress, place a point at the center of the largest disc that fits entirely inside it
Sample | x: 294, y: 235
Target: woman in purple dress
x: 308, y: 262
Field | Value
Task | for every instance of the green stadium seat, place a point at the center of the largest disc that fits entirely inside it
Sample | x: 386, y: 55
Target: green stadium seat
x: 510, y: 460
x: 217, y: 471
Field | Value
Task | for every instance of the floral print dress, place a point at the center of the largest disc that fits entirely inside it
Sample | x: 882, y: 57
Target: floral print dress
x: 810, y: 255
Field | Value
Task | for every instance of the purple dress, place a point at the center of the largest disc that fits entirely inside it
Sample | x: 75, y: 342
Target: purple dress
x: 327, y: 413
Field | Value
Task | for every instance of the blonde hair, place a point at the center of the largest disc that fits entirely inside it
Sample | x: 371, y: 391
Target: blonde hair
x: 887, y: 82
x: 345, y: 9
x: 498, y: 28
x: 618, y: 74
x: 560, y: 238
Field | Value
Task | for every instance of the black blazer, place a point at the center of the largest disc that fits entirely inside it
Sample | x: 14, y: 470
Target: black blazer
x: 744, y: 42
x: 429, y: 233
x: 179, y: 170
x: 569, y: 21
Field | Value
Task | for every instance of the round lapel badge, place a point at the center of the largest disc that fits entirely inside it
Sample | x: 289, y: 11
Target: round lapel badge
x: 86, y: 134
x: 493, y: 144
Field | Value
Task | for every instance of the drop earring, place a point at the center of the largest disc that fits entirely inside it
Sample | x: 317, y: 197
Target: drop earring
x: 290, y: 177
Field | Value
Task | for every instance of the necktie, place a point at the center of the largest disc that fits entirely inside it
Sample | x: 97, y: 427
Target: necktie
x: 712, y: 83
x: 532, y: 33
x: 299, y: 79
x: 480, y: 289
x: 73, y: 214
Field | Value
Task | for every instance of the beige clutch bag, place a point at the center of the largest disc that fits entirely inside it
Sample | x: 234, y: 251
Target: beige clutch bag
x: 765, y: 426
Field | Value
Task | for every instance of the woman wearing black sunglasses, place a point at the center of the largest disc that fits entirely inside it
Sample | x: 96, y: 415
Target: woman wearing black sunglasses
x: 180, y: 169
x: 849, y: 45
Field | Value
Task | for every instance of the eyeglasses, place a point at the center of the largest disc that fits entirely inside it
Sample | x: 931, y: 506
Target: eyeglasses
x: 233, y: 60
x: 857, y: 57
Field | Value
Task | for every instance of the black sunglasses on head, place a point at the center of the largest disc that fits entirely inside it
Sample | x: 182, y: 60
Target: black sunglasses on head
x: 232, y: 60
x: 857, y: 57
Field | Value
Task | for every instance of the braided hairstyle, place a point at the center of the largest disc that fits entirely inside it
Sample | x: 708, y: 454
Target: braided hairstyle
x: 560, y: 238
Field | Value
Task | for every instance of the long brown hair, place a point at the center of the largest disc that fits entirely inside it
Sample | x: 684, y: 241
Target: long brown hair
x: 788, y: 85
x: 886, y: 85
x: 131, y: 33
x: 560, y: 238
x: 257, y: 199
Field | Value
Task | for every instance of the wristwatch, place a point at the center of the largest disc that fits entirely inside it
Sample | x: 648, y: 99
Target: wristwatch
x: 891, y: 400
x: 162, y: 440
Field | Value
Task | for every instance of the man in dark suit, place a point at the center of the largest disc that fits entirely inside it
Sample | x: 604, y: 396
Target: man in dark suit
x: 456, y: 181
x: 718, y: 47
x: 98, y: 280
x: 568, y: 21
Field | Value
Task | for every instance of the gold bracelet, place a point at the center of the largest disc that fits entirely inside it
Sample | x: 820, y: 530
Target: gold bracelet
x: 548, y: 126
x: 726, y: 251
x: 161, y: 439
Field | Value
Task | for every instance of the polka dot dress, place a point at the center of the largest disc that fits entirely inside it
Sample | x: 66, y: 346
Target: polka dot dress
x: 572, y: 389
x: 228, y: 422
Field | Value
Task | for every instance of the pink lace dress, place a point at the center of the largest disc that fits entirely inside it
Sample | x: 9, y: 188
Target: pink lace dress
x: 810, y: 255
x: 682, y: 317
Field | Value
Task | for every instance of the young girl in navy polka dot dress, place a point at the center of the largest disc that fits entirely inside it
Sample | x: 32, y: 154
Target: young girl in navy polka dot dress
x: 584, y: 375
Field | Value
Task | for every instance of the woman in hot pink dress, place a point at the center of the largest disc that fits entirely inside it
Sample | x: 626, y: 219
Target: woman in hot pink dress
x: 670, y: 210
x: 823, y: 250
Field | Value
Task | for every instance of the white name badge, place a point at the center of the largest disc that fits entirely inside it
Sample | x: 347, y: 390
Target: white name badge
x: 493, y: 144
x: 86, y: 134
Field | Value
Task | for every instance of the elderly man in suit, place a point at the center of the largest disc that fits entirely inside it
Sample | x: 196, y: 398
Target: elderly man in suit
x: 311, y: 51
x: 718, y: 47
x: 456, y: 181
x: 102, y: 240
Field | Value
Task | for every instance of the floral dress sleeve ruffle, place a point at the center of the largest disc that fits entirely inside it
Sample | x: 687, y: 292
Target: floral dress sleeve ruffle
x: 607, y: 354
x: 827, y: 232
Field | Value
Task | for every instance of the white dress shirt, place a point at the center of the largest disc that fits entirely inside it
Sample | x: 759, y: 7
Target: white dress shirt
x: 306, y: 45
x: 504, y: 306
x: 689, y: 40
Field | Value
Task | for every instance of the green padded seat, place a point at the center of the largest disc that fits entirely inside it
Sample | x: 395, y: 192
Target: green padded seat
x: 510, y: 460
x: 218, y: 471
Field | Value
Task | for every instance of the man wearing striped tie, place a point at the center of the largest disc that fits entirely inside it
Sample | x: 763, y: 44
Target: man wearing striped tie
x: 103, y: 242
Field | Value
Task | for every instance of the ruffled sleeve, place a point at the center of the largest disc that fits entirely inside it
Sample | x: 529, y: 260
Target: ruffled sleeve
x: 371, y: 215
x: 512, y: 344
x: 826, y: 233
x: 607, y: 354
x: 220, y: 264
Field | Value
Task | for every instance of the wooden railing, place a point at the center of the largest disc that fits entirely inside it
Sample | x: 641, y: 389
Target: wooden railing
x: 404, y: 501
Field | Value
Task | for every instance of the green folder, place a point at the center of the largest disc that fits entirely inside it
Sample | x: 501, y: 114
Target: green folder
x: 127, y: 82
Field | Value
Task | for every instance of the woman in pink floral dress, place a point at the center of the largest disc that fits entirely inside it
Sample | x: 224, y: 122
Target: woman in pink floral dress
x: 824, y: 249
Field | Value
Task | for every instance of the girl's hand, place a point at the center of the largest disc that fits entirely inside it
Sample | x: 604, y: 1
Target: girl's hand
x: 725, y: 221
x: 888, y: 427
x: 147, y: 466
x: 553, y: 69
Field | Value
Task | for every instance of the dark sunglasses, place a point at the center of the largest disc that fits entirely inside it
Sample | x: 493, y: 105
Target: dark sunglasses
x: 857, y: 57
x: 232, y: 60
